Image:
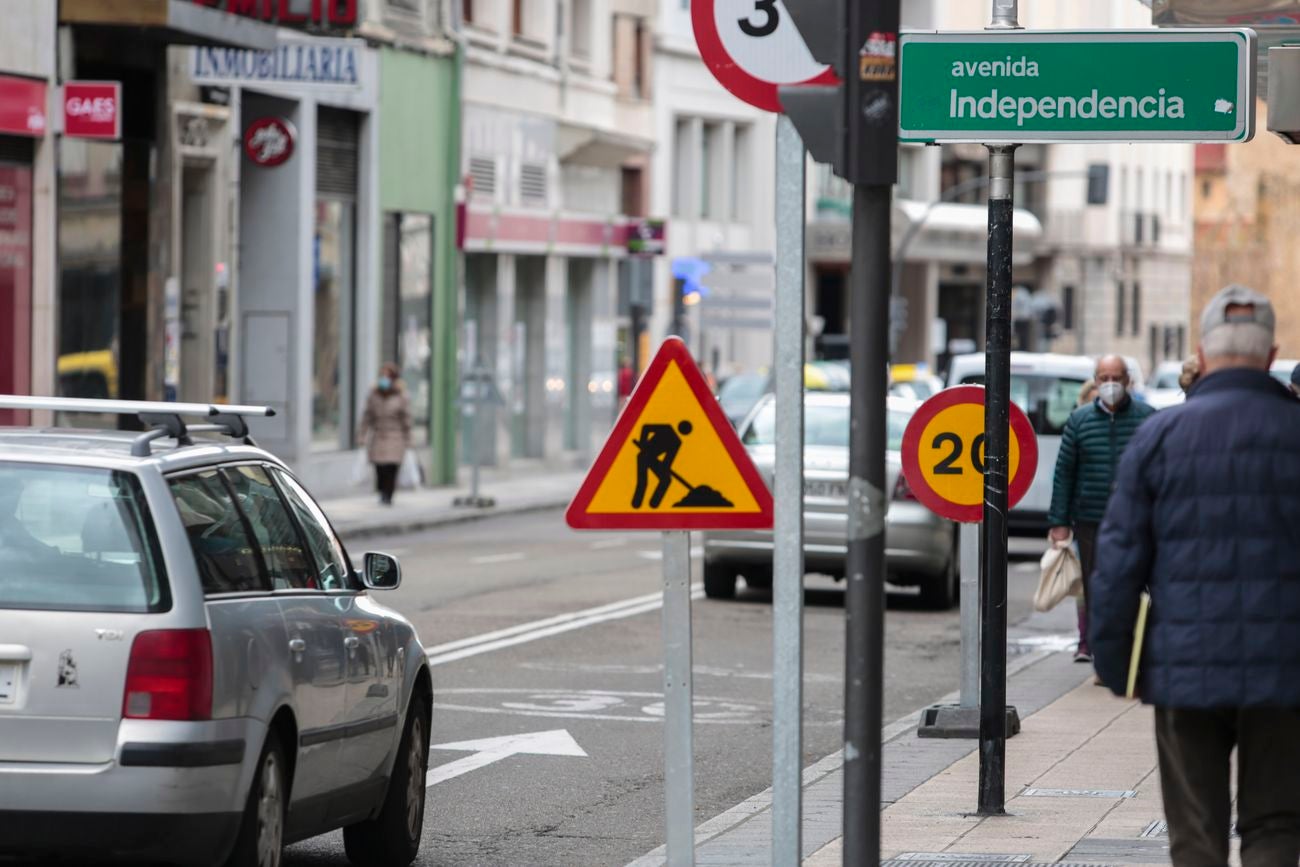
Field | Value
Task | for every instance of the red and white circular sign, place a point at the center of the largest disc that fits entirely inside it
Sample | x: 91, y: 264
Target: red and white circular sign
x: 753, y: 48
x: 269, y: 141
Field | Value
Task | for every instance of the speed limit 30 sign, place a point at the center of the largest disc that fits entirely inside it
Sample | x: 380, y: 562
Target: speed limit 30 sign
x: 943, y: 454
x: 752, y: 47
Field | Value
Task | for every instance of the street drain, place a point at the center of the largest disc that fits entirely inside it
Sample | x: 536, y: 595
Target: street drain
x: 895, y: 862
x: 1158, y: 828
x: 1113, y: 794
x: 963, y: 857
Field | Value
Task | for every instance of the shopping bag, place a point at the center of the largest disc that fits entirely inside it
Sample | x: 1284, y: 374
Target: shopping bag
x: 408, y: 474
x: 1061, y: 575
x: 361, y: 473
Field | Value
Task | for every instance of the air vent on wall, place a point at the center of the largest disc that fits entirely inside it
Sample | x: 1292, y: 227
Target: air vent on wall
x: 532, y: 183
x: 483, y: 171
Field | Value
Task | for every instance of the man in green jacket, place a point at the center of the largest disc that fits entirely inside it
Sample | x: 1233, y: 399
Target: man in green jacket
x: 1091, y: 445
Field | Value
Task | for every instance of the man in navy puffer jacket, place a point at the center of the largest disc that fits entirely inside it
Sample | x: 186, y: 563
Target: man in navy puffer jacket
x: 1206, y: 517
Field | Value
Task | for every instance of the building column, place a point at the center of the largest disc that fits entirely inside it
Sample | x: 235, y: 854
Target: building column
x: 509, y: 359
x: 557, y: 339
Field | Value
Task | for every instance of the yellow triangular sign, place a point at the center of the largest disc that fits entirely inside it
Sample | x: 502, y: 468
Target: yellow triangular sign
x: 672, y: 461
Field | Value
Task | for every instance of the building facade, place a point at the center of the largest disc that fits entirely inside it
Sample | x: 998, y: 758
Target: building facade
x: 557, y: 137
x: 27, y: 199
x: 1247, y: 212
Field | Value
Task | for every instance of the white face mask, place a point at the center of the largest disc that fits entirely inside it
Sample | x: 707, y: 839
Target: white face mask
x: 1111, y: 393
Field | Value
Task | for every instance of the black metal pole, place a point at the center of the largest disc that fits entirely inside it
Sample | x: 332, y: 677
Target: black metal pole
x: 997, y: 382
x: 864, y: 601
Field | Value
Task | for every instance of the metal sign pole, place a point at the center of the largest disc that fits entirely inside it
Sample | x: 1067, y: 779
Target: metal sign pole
x: 969, y: 552
x: 787, y: 560
x: 679, y: 790
x: 997, y: 377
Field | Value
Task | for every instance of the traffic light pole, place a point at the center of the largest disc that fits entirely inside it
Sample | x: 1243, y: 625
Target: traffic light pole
x: 864, y: 601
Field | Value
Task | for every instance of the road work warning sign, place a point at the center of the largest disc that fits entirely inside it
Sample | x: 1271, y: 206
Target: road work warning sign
x: 673, y: 461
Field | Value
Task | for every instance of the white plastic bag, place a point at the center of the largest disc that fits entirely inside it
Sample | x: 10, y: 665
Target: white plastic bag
x: 361, y: 473
x: 408, y: 475
x: 1061, y: 576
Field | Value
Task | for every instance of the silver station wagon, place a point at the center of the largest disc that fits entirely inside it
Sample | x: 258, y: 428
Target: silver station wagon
x: 191, y: 670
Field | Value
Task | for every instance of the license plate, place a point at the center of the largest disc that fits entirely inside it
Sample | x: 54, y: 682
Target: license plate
x: 8, y: 683
x: 819, y: 488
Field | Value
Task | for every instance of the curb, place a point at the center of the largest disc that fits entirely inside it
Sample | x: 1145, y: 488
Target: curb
x: 398, y: 525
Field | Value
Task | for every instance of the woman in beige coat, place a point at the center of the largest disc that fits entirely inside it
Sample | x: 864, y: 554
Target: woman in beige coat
x: 386, y: 429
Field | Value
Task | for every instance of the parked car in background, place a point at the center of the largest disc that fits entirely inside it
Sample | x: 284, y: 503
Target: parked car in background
x: 191, y: 670
x: 920, y: 547
x: 1046, y: 386
x: 913, y: 381
x: 1165, y: 390
x: 737, y: 394
x: 1281, y: 369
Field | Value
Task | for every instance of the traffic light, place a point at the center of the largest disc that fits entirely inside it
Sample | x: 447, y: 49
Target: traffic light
x: 853, y: 126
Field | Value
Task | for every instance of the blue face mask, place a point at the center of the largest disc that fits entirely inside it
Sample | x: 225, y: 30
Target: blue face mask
x: 385, y: 383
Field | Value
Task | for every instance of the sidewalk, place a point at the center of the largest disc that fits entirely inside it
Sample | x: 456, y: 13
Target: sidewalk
x: 359, y: 516
x: 1081, y: 785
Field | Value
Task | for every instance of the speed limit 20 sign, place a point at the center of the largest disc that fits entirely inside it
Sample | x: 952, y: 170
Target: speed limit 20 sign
x: 752, y: 47
x: 943, y: 454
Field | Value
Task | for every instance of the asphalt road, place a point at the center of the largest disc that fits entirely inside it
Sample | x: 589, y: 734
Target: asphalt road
x: 538, y: 630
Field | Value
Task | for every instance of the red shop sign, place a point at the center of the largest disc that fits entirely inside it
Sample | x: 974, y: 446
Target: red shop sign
x: 22, y: 106
x: 92, y: 109
x: 269, y: 141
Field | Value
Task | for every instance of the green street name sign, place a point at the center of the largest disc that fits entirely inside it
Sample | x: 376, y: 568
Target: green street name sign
x: 1077, y: 86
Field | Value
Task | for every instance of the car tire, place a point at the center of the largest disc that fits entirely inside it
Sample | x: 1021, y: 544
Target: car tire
x: 392, y: 839
x: 758, y: 579
x: 719, y: 581
x: 261, y: 833
x: 940, y: 592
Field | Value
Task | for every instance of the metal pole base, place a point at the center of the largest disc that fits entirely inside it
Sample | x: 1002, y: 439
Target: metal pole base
x: 474, y: 502
x: 955, y: 721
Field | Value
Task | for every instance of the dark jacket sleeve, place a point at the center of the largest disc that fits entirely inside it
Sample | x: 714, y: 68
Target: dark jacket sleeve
x: 1125, y: 552
x: 1063, y: 480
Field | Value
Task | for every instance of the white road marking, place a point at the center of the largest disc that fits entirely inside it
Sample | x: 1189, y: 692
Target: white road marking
x: 525, y: 632
x: 557, y: 742
x: 496, y: 558
x: 603, y: 544
x: 594, y: 704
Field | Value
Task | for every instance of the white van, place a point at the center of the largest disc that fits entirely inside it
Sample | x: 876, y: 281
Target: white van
x: 1046, y: 387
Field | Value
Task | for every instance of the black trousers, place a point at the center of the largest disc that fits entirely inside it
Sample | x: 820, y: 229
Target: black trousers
x: 1194, y: 748
x: 386, y: 480
x: 1085, y: 533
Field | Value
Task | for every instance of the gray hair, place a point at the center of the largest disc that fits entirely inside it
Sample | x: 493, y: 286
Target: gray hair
x: 1238, y: 340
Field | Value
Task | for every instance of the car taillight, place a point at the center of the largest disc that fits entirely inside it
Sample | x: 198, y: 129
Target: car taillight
x: 169, y: 676
x: 902, y: 490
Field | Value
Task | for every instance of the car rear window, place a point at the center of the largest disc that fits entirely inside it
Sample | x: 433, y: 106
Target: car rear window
x: 822, y: 426
x: 1047, y: 400
x: 77, y: 539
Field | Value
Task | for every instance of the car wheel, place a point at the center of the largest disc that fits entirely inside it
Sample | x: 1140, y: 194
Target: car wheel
x: 261, y: 833
x: 759, y: 579
x: 940, y: 592
x: 719, y: 581
x: 392, y: 839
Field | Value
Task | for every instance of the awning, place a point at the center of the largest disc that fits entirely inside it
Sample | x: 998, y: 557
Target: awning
x: 959, y: 233
x: 952, y: 233
x: 175, y: 22
x: 589, y: 146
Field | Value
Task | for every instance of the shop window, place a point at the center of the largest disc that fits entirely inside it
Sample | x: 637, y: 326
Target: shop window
x: 407, y: 309
x: 90, y: 275
x: 335, y: 278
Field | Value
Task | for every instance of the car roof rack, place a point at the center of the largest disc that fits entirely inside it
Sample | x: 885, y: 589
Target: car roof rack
x: 163, y: 418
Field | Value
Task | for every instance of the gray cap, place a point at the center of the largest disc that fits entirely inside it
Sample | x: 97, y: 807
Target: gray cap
x: 1216, y: 312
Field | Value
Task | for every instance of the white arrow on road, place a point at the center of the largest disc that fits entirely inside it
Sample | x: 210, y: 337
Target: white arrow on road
x: 556, y: 742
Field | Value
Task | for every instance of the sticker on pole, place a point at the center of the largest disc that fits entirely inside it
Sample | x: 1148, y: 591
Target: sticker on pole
x: 943, y: 454
x: 753, y: 48
x: 673, y: 461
